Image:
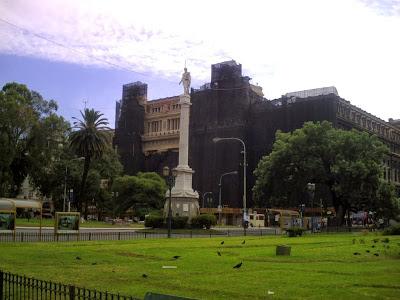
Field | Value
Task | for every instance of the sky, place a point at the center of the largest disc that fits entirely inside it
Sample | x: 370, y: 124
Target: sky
x: 81, y: 52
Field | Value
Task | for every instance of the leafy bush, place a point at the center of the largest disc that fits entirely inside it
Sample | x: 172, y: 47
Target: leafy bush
x: 179, y: 222
x: 154, y: 221
x: 392, y: 230
x: 205, y: 220
x: 295, y: 231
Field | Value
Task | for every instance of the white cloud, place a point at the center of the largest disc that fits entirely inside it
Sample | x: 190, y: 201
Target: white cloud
x: 283, y: 45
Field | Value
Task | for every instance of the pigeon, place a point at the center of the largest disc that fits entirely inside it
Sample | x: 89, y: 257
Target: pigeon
x: 244, y: 242
x: 78, y: 258
x: 356, y: 253
x: 238, y: 265
x: 376, y: 254
x: 144, y: 276
x: 219, y: 253
x: 222, y: 242
x: 176, y: 257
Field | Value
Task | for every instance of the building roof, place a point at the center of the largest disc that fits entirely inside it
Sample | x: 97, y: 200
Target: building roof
x: 314, y: 92
x: 8, y: 202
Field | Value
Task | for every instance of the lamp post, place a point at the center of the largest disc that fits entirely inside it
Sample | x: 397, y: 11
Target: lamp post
x: 311, y: 190
x: 204, y: 196
x: 218, y: 139
x: 65, y: 182
x: 115, y: 197
x: 220, y: 192
x: 170, y: 178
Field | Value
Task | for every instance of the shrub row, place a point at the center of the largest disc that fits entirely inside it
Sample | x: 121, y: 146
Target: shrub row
x: 392, y: 230
x: 201, y: 221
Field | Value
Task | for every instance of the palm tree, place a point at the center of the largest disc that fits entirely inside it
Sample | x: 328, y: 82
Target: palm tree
x: 89, y: 140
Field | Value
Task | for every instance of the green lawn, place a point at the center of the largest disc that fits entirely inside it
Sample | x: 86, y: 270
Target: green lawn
x: 320, y: 267
x: 87, y: 224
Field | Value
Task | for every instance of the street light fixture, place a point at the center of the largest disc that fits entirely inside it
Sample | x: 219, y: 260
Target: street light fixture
x: 170, y: 178
x: 65, y: 181
x: 220, y: 193
x: 218, y: 139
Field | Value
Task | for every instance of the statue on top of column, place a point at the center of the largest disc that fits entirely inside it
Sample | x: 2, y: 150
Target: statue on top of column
x: 186, y: 79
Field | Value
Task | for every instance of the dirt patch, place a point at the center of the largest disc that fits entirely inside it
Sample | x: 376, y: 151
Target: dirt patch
x: 138, y: 255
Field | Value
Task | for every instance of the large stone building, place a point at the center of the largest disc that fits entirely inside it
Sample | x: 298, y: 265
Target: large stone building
x: 147, y: 132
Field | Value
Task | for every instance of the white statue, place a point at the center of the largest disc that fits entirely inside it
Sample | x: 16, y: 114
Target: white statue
x: 186, y: 79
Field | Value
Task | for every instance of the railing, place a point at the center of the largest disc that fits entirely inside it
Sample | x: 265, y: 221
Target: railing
x: 131, y: 235
x: 14, y: 286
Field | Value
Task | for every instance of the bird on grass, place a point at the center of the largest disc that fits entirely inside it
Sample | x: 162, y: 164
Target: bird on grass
x: 144, y: 275
x: 93, y: 264
x: 362, y: 241
x: 385, y: 240
x: 175, y: 257
x: 373, y: 246
x: 238, y: 265
x: 219, y: 253
x: 376, y: 254
x: 222, y: 242
x: 367, y: 251
x: 375, y: 240
x: 78, y: 258
x: 356, y: 253
x: 244, y: 242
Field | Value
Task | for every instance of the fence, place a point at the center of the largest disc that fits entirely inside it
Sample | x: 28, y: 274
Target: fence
x: 14, y: 286
x: 130, y: 235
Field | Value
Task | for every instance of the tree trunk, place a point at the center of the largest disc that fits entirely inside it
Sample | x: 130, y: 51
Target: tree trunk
x: 81, y: 195
x: 340, y: 214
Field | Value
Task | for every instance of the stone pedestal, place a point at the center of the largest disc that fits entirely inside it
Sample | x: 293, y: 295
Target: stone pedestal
x: 185, y: 201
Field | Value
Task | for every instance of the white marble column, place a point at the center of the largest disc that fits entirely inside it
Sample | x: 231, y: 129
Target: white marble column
x: 184, y: 198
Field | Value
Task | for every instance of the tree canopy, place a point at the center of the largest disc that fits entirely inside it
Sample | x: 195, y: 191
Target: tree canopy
x: 144, y: 191
x: 344, y: 165
x: 30, y: 131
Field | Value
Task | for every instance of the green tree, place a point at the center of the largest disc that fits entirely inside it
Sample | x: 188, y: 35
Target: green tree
x: 89, y: 141
x: 49, y: 154
x: 21, y: 111
x: 144, y: 191
x: 345, y: 163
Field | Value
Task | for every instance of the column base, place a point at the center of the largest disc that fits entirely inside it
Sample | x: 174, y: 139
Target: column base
x: 183, y: 207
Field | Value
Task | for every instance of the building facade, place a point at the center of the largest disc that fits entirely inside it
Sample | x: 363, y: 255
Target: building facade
x: 147, y: 135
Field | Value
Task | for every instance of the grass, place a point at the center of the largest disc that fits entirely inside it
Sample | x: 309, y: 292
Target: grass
x: 87, y: 224
x: 320, y: 267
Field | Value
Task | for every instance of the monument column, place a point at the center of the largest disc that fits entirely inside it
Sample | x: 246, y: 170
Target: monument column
x: 184, y: 198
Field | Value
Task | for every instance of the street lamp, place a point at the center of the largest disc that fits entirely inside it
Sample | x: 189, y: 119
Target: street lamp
x: 218, y: 139
x: 204, y: 196
x: 311, y: 190
x: 170, y: 178
x: 65, y: 181
x: 220, y: 192
x: 114, y: 197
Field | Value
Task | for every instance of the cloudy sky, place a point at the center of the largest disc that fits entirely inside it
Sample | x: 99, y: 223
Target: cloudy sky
x: 76, y: 50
